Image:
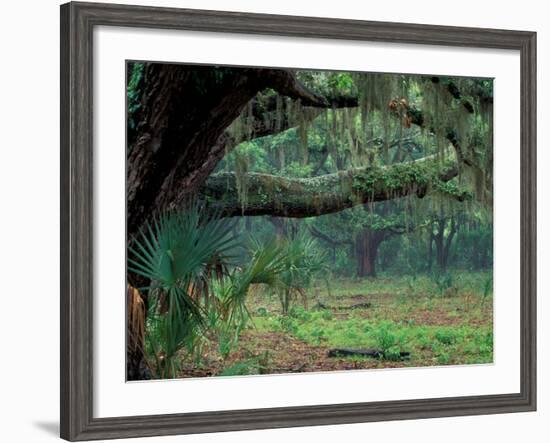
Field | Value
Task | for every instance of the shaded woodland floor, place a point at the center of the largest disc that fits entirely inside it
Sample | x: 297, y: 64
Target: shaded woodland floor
x: 438, y: 324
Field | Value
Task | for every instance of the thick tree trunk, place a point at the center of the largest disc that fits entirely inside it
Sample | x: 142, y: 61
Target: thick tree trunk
x: 181, y: 134
x: 179, y: 140
x: 443, y: 242
x: 366, y: 251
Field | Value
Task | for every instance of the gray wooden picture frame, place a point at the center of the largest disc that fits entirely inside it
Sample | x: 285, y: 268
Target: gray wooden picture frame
x: 77, y: 23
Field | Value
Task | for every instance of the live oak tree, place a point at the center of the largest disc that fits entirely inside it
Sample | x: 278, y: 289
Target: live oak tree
x: 363, y: 230
x: 183, y: 120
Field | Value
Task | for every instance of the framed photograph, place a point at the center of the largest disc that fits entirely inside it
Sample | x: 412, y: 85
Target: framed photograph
x: 273, y: 221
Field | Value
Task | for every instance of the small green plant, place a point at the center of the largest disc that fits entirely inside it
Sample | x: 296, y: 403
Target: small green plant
x: 302, y: 262
x: 393, y: 353
x: 178, y: 252
x: 251, y: 366
x: 444, y: 358
x: 227, y: 341
x: 318, y: 333
x: 445, y: 284
x: 445, y: 336
x: 288, y: 324
x: 300, y: 313
x: 387, y: 341
x: 412, y: 284
x: 262, y: 312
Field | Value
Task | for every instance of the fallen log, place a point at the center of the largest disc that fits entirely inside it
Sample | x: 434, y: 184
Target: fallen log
x: 364, y: 305
x: 374, y: 353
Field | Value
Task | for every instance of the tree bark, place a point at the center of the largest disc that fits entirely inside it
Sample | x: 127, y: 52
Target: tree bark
x: 367, y: 243
x: 181, y: 134
x: 443, y: 242
x: 309, y: 197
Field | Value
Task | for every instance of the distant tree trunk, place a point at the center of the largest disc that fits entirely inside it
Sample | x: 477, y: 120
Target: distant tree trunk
x: 443, y: 242
x: 438, y: 238
x: 485, y: 257
x: 476, y: 253
x: 430, y: 247
x: 366, y: 251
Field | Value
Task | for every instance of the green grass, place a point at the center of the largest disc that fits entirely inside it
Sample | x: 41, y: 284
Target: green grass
x: 477, y: 282
x: 438, y: 323
x: 439, y: 320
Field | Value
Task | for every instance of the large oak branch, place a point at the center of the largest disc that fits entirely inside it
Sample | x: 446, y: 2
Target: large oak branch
x: 309, y: 197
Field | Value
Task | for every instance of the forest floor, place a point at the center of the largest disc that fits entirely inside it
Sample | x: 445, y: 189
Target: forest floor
x: 438, y: 323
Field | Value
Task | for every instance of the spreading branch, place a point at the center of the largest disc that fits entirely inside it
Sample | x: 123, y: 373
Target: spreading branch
x: 285, y: 83
x: 333, y: 242
x: 309, y: 197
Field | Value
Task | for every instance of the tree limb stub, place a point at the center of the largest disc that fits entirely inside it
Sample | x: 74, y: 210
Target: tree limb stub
x: 285, y: 83
x: 327, y: 238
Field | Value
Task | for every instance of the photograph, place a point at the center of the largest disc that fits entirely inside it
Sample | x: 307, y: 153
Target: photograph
x: 238, y: 222
x: 287, y: 220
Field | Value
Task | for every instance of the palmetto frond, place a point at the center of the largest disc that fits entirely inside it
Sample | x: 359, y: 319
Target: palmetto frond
x: 179, y: 253
x: 178, y: 245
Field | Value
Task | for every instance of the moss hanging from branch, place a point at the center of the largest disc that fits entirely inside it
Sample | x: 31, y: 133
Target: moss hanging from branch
x: 241, y: 178
x: 365, y: 134
x: 293, y: 197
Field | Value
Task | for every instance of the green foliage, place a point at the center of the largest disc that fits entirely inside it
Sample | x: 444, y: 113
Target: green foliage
x: 202, y: 273
x: 179, y: 247
x: 229, y: 313
x: 385, y: 338
x: 134, y: 90
x: 176, y: 252
x: 445, y: 336
x: 391, y: 325
x: 445, y: 283
x: 250, y: 366
x: 302, y: 261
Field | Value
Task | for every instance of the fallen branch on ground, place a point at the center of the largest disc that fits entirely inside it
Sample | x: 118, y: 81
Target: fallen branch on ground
x: 365, y: 305
x: 374, y: 353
